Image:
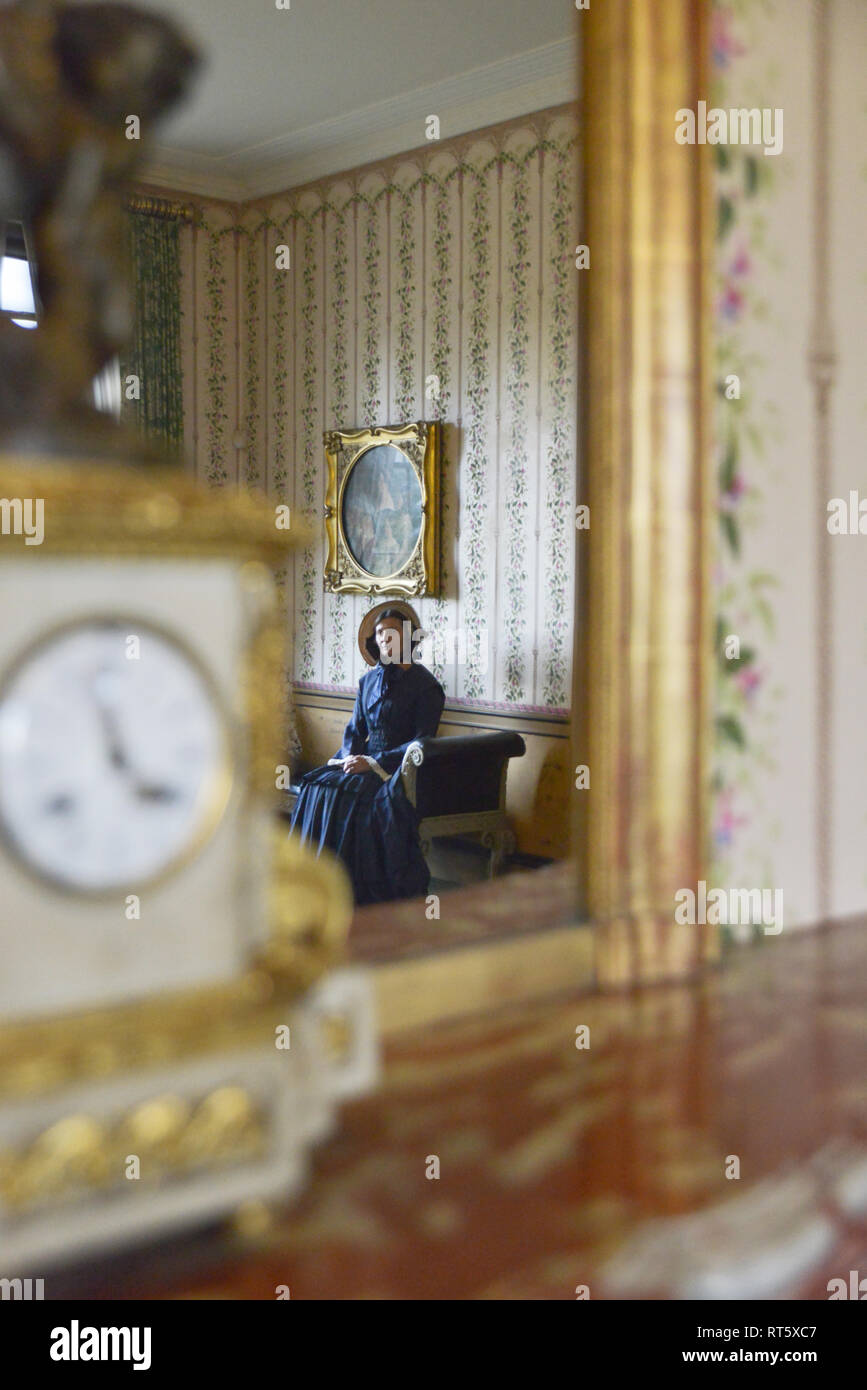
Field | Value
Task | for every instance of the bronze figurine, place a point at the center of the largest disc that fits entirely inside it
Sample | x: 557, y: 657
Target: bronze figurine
x: 70, y: 77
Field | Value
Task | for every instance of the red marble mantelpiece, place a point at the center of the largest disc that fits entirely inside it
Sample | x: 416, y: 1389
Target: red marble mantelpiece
x: 554, y: 1159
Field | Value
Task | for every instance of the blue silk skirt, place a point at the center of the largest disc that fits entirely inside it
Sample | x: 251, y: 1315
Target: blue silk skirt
x: 372, y: 827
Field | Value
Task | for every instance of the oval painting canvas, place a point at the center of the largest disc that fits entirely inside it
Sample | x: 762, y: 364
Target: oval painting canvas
x: 381, y: 511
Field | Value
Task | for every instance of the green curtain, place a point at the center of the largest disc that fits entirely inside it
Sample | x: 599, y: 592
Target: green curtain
x: 154, y: 353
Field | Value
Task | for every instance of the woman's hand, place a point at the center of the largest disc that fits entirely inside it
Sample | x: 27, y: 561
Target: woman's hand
x: 355, y: 763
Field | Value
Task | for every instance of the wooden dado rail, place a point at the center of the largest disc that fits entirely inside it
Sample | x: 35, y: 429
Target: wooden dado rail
x: 538, y: 785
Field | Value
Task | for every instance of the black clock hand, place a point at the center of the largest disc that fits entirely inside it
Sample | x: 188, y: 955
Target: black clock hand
x: 149, y: 791
x: 116, y: 754
x: 145, y: 791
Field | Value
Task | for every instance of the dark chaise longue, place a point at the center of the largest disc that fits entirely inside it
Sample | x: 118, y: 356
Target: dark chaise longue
x: 458, y: 786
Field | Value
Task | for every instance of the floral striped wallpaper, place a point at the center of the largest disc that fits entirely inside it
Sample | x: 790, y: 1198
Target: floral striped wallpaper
x: 456, y: 264
x: 791, y: 754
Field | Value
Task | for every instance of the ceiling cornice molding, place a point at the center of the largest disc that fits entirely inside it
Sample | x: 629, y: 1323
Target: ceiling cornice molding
x: 497, y: 134
x: 518, y: 86
x: 195, y: 174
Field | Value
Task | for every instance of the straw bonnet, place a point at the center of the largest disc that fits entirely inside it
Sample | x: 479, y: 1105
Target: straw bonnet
x: 366, y: 639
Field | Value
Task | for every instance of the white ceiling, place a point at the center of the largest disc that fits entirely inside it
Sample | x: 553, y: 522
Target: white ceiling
x: 289, y: 95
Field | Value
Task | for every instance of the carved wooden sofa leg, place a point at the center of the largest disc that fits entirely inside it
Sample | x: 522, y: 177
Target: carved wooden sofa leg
x: 501, y: 843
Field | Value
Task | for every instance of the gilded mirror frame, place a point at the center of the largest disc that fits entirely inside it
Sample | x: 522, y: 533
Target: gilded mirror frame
x: 642, y: 671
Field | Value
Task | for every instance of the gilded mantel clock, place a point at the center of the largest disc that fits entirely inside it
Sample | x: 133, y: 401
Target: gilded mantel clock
x: 141, y: 713
x: 159, y: 934
x: 382, y: 510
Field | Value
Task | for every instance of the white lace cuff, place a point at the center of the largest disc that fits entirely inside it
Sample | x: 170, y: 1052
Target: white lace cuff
x: 372, y: 763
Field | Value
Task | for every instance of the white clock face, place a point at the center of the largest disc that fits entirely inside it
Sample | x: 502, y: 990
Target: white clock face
x: 113, y: 756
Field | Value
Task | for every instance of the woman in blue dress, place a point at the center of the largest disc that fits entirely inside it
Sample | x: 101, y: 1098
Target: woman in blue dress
x: 356, y: 805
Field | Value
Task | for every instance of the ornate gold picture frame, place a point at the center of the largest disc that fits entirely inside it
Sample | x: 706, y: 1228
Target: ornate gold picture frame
x: 382, y: 510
